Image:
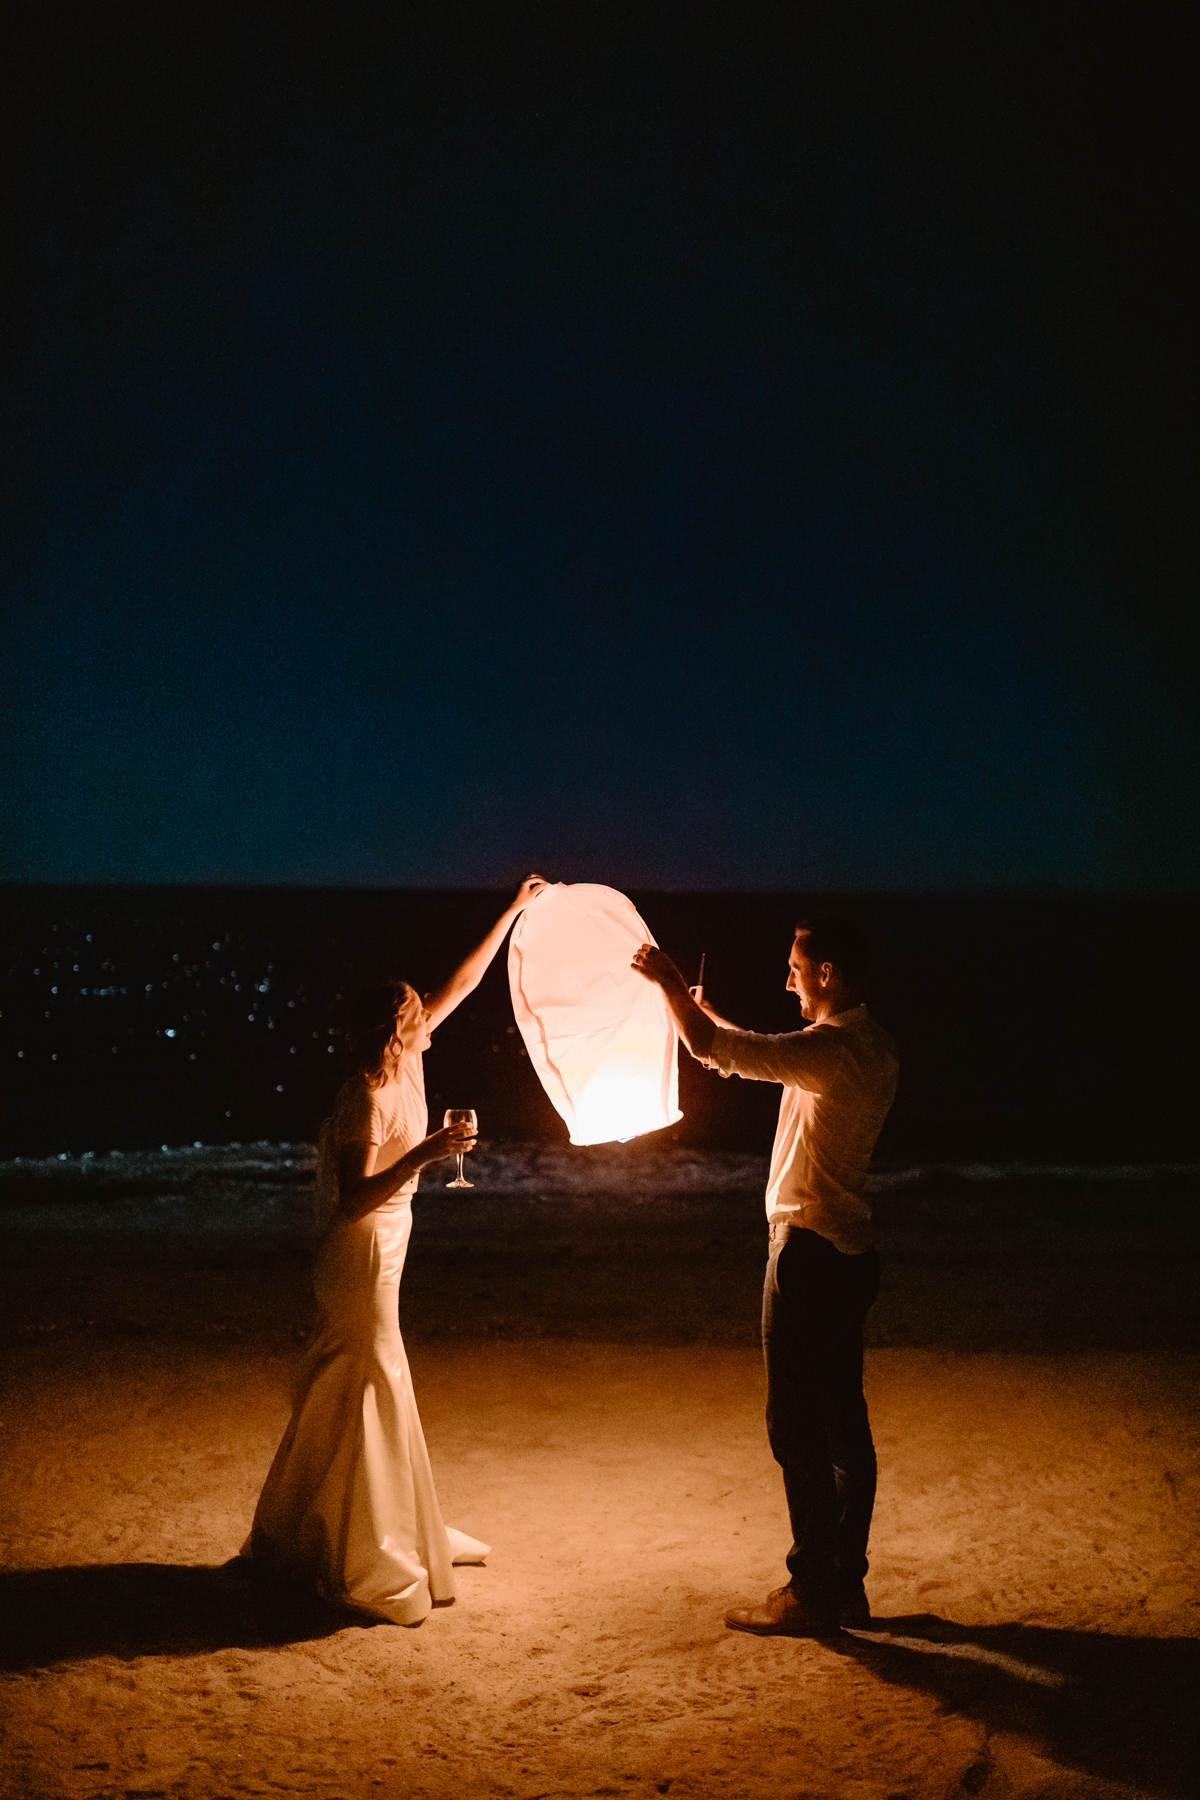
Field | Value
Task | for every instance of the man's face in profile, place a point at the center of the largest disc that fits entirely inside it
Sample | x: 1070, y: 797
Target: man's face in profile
x: 804, y: 976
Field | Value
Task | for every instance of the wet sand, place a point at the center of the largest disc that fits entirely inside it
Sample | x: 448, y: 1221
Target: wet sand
x: 593, y: 1409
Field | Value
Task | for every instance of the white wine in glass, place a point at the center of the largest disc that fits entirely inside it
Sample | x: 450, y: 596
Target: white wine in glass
x: 460, y: 1115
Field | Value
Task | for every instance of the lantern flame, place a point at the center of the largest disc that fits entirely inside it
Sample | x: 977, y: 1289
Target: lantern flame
x: 618, y: 1103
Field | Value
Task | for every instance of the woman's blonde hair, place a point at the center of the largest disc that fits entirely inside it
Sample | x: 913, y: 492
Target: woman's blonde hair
x: 375, y: 1019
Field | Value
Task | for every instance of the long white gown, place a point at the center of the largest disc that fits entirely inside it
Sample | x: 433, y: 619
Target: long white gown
x: 349, y: 1506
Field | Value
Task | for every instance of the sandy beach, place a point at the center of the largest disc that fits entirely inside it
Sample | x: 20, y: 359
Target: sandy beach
x: 1034, y: 1557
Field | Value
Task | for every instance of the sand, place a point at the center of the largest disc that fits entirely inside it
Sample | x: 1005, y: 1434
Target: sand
x: 1034, y: 1558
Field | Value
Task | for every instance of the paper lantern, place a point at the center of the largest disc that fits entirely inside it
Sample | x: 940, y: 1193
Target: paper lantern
x: 598, y: 1034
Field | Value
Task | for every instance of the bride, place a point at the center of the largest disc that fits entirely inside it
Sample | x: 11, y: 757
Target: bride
x: 349, y: 1505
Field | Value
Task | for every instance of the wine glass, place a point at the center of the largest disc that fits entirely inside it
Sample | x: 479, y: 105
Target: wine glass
x: 460, y: 1115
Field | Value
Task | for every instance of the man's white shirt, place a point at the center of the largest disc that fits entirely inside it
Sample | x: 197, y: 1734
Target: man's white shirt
x: 839, y: 1079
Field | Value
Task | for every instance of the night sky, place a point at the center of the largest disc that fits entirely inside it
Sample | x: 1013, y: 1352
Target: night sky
x: 677, y: 446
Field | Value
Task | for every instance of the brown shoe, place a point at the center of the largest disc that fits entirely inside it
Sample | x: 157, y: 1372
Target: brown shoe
x: 784, y: 1614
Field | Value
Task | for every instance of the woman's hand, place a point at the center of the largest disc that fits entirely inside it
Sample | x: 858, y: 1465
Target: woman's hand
x: 470, y: 972
x: 446, y: 1142
x: 532, y: 884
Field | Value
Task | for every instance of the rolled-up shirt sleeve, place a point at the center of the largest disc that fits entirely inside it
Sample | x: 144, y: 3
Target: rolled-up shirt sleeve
x: 804, y: 1059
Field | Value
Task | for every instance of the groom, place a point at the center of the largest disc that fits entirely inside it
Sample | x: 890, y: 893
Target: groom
x: 838, y: 1077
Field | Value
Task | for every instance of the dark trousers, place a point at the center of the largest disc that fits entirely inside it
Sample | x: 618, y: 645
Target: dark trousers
x: 815, y: 1299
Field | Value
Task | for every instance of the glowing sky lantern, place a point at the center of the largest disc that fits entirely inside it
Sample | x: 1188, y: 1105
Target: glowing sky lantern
x: 599, y: 1035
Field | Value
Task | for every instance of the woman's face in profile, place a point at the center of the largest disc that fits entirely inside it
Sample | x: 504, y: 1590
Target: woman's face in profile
x: 412, y: 1024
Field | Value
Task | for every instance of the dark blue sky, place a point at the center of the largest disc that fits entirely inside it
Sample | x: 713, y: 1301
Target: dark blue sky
x: 676, y: 446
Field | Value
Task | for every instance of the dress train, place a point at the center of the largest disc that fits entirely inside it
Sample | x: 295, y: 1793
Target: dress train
x: 349, y: 1506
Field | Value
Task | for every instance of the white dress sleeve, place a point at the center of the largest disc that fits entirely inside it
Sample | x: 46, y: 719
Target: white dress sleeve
x: 355, y: 1116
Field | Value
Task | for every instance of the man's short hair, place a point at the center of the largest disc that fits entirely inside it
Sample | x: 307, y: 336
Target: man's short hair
x: 839, y: 941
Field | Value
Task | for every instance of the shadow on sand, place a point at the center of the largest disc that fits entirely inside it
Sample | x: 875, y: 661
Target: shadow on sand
x: 152, y: 1609
x: 1123, y: 1708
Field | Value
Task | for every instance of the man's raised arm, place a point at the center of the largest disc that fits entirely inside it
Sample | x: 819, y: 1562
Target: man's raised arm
x: 696, y: 1027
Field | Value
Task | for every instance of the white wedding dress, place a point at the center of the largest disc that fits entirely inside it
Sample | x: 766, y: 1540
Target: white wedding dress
x: 349, y: 1506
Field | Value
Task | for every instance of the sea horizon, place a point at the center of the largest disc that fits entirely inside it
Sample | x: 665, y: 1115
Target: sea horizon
x: 987, y: 891
x: 143, y: 1014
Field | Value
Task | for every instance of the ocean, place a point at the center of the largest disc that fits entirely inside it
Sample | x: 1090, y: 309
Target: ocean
x: 169, y: 1054
x: 1043, y: 1027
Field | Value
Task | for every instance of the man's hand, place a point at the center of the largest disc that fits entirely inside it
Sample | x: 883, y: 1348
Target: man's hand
x: 657, y: 966
x: 694, y: 1028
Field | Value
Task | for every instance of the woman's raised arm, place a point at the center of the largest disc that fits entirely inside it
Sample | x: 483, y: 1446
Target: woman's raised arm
x: 472, y: 968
